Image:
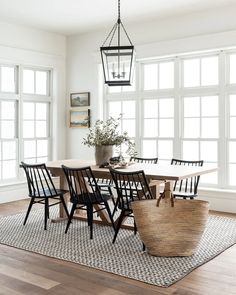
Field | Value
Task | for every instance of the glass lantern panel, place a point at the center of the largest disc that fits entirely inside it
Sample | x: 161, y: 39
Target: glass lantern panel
x: 117, y: 65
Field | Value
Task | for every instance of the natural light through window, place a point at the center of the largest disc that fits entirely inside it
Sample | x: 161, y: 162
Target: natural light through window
x: 24, y: 118
x: 184, y: 108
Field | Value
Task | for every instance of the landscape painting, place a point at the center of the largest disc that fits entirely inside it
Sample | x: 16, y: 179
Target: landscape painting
x: 80, y: 99
x: 80, y: 119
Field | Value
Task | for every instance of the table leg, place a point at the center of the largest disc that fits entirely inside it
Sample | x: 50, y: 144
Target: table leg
x: 167, y: 195
x: 168, y: 190
x: 62, y: 185
x: 155, y: 188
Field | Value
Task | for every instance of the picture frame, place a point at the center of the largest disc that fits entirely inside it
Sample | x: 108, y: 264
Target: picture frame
x: 80, y: 118
x: 80, y: 99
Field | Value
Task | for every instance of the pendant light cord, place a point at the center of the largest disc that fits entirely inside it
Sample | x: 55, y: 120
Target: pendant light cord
x: 118, y: 10
x: 120, y: 23
x: 113, y: 30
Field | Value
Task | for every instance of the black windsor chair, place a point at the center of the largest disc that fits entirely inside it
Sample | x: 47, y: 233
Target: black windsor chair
x: 153, y: 183
x: 105, y: 186
x: 186, y: 188
x: 130, y: 186
x: 144, y: 160
x: 84, y: 194
x: 42, y: 189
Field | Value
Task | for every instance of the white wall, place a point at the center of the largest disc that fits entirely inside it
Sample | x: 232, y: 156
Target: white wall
x: 23, y: 37
x: 27, y: 46
x: 193, y: 32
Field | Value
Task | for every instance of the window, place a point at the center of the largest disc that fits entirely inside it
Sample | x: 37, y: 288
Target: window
x: 35, y: 115
x: 8, y: 82
x: 35, y: 132
x: 157, y: 122
x: 127, y: 111
x: 158, y: 128
x: 200, y: 71
x: 185, y: 108
x: 8, y: 116
x: 232, y: 139
x: 159, y: 75
x: 232, y: 66
x: 35, y: 82
x: 201, y: 131
x: 24, y: 118
x: 8, y: 141
x: 201, y: 117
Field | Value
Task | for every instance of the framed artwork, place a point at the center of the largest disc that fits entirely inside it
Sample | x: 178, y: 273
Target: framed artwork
x: 81, y: 99
x: 80, y: 119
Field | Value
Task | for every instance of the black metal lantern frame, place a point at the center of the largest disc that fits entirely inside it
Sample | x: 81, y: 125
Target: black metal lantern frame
x: 117, y: 59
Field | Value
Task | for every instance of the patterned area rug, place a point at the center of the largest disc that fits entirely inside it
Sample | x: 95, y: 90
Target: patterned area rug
x: 124, y: 258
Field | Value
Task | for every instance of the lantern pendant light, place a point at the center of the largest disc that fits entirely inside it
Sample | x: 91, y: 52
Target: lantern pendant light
x: 117, y: 59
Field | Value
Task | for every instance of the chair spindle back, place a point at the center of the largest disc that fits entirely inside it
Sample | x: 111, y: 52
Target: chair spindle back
x: 130, y: 186
x: 81, y: 182
x: 39, y: 180
x: 188, y: 184
x: 144, y: 160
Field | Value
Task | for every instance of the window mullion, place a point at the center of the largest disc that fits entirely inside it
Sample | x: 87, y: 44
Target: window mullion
x: 20, y: 120
x: 223, y: 116
x: 34, y: 82
x: 139, y: 107
x: 177, y: 150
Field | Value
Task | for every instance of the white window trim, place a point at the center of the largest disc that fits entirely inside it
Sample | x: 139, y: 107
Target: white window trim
x: 19, y: 98
x: 222, y: 90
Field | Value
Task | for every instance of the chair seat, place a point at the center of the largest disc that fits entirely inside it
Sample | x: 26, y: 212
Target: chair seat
x: 126, y: 207
x: 46, y: 193
x: 184, y: 194
x: 103, y: 185
x: 90, y: 199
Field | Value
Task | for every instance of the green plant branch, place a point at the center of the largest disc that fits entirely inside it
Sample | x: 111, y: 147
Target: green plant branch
x: 107, y: 133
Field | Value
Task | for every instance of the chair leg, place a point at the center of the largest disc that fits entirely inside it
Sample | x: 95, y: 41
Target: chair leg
x: 88, y: 215
x: 91, y: 221
x: 122, y: 214
x: 135, y: 228
x: 109, y: 213
x: 64, y: 205
x: 46, y: 210
x: 28, y: 210
x: 144, y: 247
x: 70, y: 217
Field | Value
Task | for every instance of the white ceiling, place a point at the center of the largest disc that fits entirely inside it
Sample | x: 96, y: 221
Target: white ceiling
x: 78, y: 16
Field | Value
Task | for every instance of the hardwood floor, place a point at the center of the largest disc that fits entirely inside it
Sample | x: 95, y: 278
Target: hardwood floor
x: 27, y: 273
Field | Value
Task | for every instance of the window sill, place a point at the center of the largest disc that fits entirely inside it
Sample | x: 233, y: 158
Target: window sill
x: 217, y: 193
x: 8, y: 185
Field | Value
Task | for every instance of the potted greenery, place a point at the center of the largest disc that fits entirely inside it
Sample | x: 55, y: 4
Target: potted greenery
x: 104, y: 136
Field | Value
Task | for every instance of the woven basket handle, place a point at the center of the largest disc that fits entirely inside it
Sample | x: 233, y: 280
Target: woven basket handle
x: 162, y: 196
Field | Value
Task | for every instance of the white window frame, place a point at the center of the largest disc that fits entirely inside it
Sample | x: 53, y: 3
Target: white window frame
x: 19, y: 99
x: 223, y: 89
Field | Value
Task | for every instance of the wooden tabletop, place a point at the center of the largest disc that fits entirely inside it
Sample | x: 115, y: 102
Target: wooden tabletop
x: 153, y: 171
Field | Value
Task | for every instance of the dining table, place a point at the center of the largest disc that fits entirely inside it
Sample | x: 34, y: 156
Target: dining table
x: 156, y: 174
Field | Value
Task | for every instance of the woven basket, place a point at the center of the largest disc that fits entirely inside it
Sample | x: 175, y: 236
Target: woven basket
x: 170, y: 230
